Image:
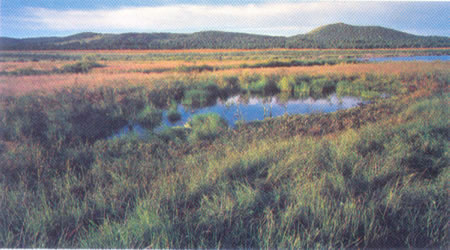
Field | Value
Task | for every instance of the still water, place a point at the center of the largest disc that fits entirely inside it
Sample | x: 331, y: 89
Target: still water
x: 254, y: 108
x: 408, y: 58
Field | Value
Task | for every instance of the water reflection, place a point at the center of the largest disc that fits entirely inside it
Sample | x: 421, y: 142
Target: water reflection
x: 408, y: 58
x: 252, y: 108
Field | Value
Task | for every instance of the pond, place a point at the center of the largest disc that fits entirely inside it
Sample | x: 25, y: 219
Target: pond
x: 408, y: 58
x: 253, y: 108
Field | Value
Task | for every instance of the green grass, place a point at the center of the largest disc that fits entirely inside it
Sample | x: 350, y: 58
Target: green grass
x: 189, y: 56
x: 264, y: 86
x: 300, y: 193
x: 296, y: 63
x: 78, y: 67
x: 197, y: 98
x: 149, y: 117
x: 206, y: 127
x: 371, y: 176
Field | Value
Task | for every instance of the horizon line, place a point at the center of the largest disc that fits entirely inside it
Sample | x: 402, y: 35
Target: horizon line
x: 211, y: 30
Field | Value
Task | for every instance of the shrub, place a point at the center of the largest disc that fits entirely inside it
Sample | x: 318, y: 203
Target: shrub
x: 206, y: 127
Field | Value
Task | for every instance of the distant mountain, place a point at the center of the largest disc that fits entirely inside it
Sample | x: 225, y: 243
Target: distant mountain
x: 344, y: 31
x: 337, y: 35
x: 342, y: 35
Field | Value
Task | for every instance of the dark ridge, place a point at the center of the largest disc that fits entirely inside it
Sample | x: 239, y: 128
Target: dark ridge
x: 337, y: 35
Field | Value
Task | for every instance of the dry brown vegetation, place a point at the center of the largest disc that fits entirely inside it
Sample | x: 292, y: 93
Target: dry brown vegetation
x: 121, y: 73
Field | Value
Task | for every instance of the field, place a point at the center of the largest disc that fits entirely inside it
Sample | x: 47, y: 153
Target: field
x: 375, y: 175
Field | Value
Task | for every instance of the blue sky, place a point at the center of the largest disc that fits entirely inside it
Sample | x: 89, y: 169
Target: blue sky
x: 32, y: 18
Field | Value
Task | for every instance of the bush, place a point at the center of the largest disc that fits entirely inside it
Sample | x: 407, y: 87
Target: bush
x: 206, y: 127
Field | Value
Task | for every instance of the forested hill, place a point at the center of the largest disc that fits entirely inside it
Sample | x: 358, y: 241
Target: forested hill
x: 342, y: 35
x: 330, y: 36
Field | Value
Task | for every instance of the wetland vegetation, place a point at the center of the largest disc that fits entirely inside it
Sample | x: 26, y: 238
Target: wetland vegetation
x: 373, y: 175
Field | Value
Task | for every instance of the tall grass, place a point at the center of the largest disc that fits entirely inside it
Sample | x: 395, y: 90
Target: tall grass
x: 294, y: 63
x: 149, y: 117
x: 78, y: 67
x: 372, y: 176
x: 206, y: 127
x: 308, y: 192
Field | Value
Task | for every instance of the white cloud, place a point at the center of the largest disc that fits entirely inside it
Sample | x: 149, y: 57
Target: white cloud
x: 265, y: 18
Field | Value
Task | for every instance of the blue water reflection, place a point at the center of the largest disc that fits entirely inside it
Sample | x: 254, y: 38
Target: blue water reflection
x: 408, y: 58
x: 243, y: 108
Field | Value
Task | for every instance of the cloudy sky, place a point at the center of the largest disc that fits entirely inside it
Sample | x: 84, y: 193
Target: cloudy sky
x: 32, y: 18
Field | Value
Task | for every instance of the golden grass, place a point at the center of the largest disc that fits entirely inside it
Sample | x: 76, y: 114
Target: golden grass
x: 127, y: 66
x: 117, y: 74
x: 41, y: 65
x: 389, y: 68
x: 10, y: 85
x: 124, y: 66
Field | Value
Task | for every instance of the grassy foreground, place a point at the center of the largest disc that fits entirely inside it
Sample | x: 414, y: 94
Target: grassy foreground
x: 371, y: 176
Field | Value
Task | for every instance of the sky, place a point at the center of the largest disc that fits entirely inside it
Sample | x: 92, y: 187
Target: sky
x: 34, y: 18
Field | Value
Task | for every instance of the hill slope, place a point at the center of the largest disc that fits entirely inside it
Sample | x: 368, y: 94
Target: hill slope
x: 342, y: 35
x: 344, y: 31
x: 330, y: 36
